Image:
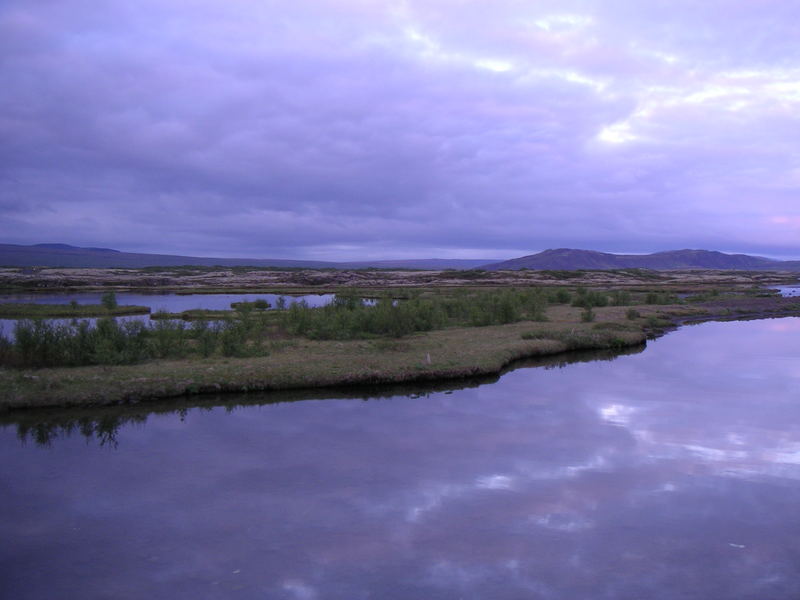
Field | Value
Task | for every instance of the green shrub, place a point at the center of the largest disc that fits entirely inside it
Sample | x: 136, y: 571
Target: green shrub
x: 207, y: 337
x: 347, y: 317
x: 39, y: 343
x: 620, y: 298
x: 233, y: 340
x: 588, y: 299
x: 561, y: 296
x: 168, y: 339
x: 657, y: 322
x: 109, y: 300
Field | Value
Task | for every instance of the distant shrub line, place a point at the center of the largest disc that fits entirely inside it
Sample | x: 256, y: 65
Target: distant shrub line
x: 347, y: 317
x: 38, y: 343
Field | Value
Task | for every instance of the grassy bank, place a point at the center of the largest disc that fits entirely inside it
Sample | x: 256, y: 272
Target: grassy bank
x: 67, y: 311
x: 101, y: 424
x: 193, y: 314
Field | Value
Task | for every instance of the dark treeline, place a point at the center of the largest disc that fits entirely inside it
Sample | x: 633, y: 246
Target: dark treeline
x: 39, y: 343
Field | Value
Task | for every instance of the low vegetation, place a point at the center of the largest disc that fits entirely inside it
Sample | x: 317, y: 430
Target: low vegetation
x: 37, y: 343
x: 193, y: 314
x: 348, y: 317
x: 251, y: 329
x: 67, y: 311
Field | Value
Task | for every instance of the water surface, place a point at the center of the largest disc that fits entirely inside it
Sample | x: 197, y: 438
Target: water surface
x: 788, y: 291
x: 672, y: 473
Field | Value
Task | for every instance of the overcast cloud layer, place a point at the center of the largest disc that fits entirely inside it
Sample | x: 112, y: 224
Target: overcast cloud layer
x: 353, y: 129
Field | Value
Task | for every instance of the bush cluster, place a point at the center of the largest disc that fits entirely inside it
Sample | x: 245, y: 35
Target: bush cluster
x: 347, y: 317
x: 661, y: 298
x: 39, y: 343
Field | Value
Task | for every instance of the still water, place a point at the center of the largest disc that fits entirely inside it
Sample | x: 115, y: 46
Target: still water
x: 788, y: 291
x: 669, y: 473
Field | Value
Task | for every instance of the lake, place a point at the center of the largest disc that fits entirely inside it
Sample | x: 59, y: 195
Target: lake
x: 788, y: 291
x: 669, y: 473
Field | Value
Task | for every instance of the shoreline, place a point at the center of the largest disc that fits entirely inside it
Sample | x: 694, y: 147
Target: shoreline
x: 43, y: 425
x: 437, y: 356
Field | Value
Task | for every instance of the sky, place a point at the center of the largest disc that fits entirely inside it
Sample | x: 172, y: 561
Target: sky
x: 352, y: 129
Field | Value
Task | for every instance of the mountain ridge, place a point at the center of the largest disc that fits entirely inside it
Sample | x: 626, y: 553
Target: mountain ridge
x: 557, y: 259
x: 569, y: 259
x: 65, y: 255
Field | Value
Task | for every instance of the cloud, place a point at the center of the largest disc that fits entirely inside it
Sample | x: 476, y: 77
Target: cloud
x: 250, y: 129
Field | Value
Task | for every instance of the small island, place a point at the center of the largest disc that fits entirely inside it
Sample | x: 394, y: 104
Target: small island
x: 67, y: 311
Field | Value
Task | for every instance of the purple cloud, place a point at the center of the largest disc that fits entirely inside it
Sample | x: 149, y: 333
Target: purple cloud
x: 346, y: 129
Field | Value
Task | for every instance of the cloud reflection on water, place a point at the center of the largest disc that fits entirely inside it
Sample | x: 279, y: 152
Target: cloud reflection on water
x: 661, y: 475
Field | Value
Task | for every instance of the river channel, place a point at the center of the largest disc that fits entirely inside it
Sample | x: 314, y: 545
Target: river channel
x: 669, y: 473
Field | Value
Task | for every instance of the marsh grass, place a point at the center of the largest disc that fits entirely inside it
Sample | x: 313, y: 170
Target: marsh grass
x: 661, y: 298
x: 192, y: 314
x: 73, y: 310
x: 575, y: 339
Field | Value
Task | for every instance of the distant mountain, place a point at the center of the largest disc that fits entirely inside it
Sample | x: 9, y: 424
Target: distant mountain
x: 562, y: 259
x: 567, y: 259
x: 64, y: 255
x: 68, y: 247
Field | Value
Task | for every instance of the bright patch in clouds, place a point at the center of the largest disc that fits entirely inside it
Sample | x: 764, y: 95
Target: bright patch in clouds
x: 498, y: 66
x: 563, y: 22
x: 619, y: 133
